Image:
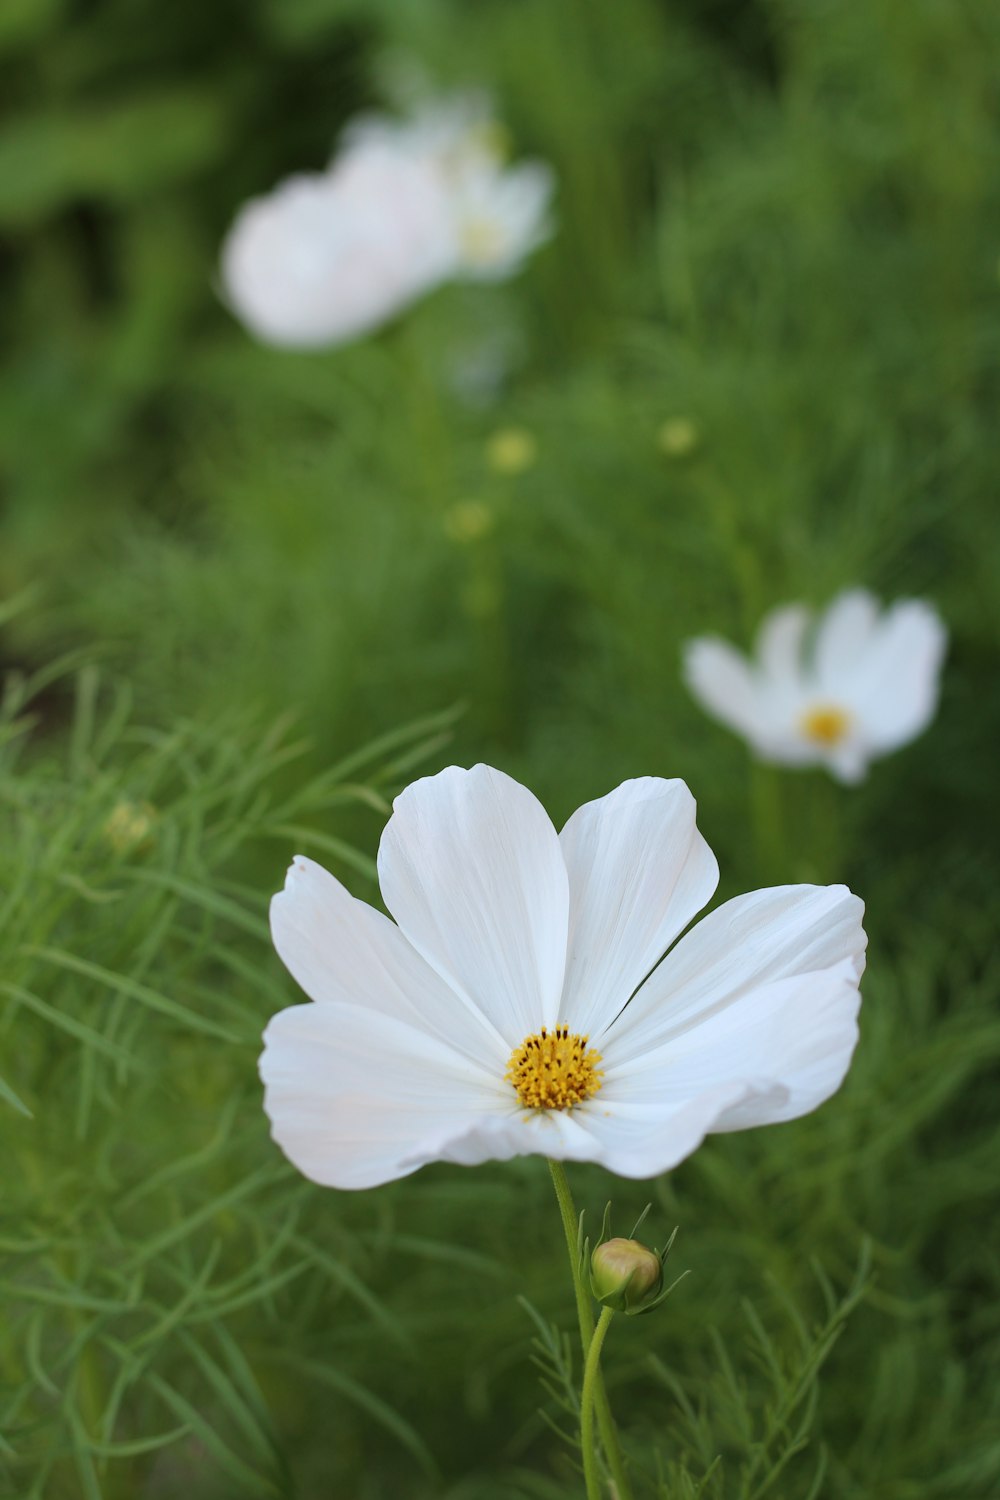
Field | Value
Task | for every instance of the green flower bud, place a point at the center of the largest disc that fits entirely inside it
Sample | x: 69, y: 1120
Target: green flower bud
x: 625, y: 1275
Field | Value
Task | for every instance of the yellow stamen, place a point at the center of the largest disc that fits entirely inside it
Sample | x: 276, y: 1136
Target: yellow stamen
x: 481, y: 241
x: 554, y: 1069
x: 826, y: 724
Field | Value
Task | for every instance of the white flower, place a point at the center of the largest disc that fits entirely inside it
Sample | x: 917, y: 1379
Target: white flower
x: 519, y: 1004
x: 404, y: 206
x: 861, y: 686
x: 456, y: 132
x: 498, y: 214
x: 329, y: 256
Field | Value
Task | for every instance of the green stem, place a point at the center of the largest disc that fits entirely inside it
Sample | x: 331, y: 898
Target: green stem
x: 591, y: 1382
x: 827, y: 833
x: 585, y: 1314
x: 767, y: 815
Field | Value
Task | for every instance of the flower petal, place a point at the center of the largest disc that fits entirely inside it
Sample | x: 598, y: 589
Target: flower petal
x: 538, y: 1132
x: 896, y: 687
x: 748, y: 942
x: 778, y: 647
x: 356, y: 1098
x: 509, y: 209
x: 631, y: 1140
x: 723, y: 683
x: 844, y: 637
x: 470, y: 867
x: 329, y: 256
x: 639, y: 870
x: 341, y: 950
x: 848, y: 763
x: 788, y: 1044
x: 635, y: 1139
x: 801, y: 1041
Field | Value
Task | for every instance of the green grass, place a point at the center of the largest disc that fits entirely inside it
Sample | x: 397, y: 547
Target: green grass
x: 241, y: 615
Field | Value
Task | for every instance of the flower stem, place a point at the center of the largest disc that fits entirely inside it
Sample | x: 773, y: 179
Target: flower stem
x: 585, y: 1314
x: 767, y: 816
x: 591, y: 1382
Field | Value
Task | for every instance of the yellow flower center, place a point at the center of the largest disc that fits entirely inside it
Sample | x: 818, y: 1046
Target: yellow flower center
x: 481, y: 241
x: 826, y: 724
x: 554, y: 1069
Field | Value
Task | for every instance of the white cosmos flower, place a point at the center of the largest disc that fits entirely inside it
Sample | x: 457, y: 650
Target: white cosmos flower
x: 501, y: 214
x: 456, y: 131
x: 519, y: 1003
x: 329, y: 256
x: 498, y: 214
x: 405, y: 205
x: 859, y: 685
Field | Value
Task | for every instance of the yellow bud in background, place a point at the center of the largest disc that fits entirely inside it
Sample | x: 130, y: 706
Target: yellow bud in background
x: 678, y: 437
x: 511, y: 450
x: 129, y: 825
x: 468, y: 521
x: 625, y: 1275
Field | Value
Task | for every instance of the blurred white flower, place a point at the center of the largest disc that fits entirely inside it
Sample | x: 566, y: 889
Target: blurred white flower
x: 519, y: 1004
x: 458, y: 132
x: 499, y: 214
x: 404, y: 206
x: 860, y: 685
x: 329, y: 256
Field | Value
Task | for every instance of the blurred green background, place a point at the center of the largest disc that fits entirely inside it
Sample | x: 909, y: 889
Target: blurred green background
x: 248, y: 594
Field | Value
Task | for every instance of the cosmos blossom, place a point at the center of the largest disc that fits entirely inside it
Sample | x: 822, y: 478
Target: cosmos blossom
x: 330, y: 256
x: 327, y: 257
x: 521, y: 1001
x: 855, y: 684
x: 498, y: 213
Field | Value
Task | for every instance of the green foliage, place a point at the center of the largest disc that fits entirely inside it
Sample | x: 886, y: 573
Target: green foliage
x: 228, y: 568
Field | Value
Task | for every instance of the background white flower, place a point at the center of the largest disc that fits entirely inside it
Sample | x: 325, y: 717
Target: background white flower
x: 499, y: 214
x: 515, y: 947
x: 860, y: 685
x: 329, y: 256
x: 404, y: 206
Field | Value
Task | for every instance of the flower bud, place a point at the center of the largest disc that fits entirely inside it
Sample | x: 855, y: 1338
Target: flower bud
x: 511, y: 450
x: 678, y: 437
x: 625, y: 1275
x: 129, y: 826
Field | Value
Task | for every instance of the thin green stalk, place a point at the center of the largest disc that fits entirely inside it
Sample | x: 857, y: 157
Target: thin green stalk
x: 591, y: 1382
x: 768, y: 822
x: 826, y: 834
x: 585, y: 1314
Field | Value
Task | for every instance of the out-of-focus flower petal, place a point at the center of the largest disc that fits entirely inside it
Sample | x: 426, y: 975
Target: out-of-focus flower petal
x: 501, y: 216
x: 779, y: 642
x: 721, y: 680
x: 897, y: 688
x: 328, y: 257
x: 843, y: 636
